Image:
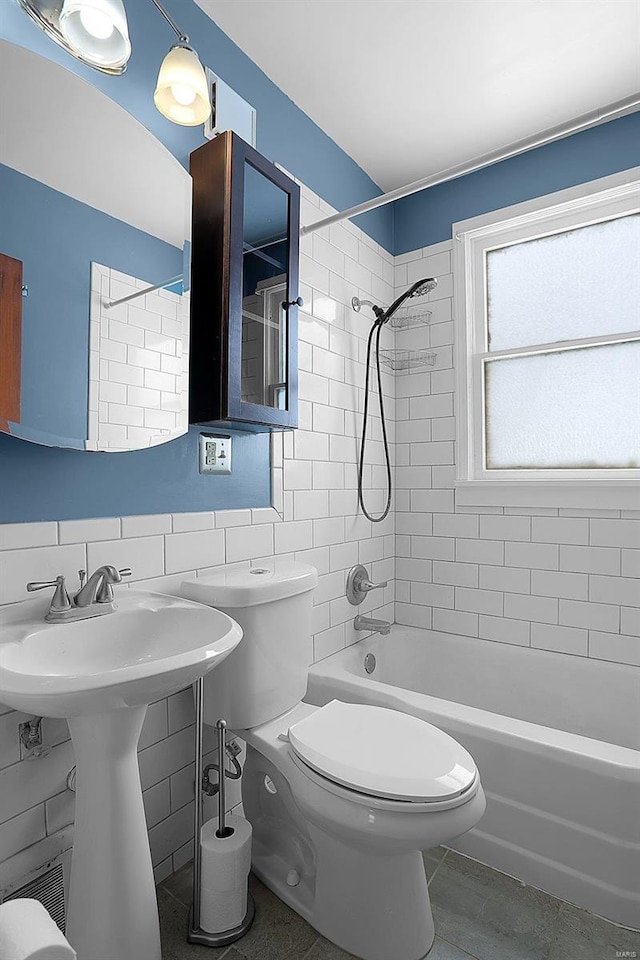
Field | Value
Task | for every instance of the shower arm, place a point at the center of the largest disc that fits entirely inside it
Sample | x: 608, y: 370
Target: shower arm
x: 417, y: 289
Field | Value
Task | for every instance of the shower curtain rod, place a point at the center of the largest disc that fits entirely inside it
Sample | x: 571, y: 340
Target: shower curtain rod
x: 592, y: 119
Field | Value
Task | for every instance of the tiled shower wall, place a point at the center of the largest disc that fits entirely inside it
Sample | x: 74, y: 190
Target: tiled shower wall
x: 315, y: 490
x: 556, y: 579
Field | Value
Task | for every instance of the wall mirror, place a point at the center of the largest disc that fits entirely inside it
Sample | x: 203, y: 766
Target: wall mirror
x: 93, y: 209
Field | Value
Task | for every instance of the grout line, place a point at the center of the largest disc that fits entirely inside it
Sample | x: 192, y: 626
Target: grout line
x: 311, y: 948
x: 429, y: 882
x: 172, y: 894
x: 465, y: 953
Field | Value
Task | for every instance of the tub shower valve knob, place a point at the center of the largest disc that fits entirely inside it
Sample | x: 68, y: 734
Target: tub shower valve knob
x: 359, y: 585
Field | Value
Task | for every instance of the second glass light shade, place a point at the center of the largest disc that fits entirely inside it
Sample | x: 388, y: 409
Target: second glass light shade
x: 181, y: 92
x: 97, y: 31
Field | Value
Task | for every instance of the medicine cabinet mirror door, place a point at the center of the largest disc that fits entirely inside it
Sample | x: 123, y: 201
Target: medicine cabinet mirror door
x: 265, y: 286
x: 265, y: 207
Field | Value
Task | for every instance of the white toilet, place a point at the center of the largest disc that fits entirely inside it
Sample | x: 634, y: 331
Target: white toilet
x: 342, y: 798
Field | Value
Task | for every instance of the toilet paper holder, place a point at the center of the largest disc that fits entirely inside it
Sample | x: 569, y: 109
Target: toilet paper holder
x: 231, y: 750
x: 195, y: 934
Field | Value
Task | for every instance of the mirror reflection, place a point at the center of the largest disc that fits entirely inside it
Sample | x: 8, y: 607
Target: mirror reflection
x: 265, y: 291
x: 94, y: 211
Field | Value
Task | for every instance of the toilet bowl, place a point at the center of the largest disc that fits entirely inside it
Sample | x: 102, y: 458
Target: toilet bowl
x: 342, y: 798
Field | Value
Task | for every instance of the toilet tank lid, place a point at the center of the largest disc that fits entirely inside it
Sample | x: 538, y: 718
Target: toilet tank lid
x: 250, y: 586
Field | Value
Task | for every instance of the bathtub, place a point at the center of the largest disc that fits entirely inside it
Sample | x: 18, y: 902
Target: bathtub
x: 556, y: 740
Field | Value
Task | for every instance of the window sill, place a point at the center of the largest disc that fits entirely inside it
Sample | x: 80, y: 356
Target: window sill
x: 581, y: 494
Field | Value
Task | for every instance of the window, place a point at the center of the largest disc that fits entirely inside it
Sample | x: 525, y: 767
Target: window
x: 548, y: 315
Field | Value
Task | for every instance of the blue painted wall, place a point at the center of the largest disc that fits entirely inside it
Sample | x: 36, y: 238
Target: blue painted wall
x: 56, y: 238
x: 40, y: 483
x: 426, y: 217
x: 37, y: 483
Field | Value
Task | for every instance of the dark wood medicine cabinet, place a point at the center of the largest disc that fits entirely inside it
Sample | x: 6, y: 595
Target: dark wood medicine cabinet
x: 243, y: 347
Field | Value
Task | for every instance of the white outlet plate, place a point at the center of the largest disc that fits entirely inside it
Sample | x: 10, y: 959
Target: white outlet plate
x: 215, y: 453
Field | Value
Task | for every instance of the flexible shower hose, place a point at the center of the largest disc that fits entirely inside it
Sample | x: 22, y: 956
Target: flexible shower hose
x: 376, y: 330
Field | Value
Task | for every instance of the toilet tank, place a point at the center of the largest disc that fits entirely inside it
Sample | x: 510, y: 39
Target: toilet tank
x: 266, y: 674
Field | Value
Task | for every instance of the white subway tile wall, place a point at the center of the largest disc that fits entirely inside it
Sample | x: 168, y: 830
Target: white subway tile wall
x: 562, y: 580
x: 314, y: 489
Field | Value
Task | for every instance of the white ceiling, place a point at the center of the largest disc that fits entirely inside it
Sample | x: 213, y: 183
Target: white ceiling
x: 410, y: 87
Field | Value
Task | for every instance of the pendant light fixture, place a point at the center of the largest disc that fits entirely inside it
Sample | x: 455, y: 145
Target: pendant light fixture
x: 181, y: 93
x: 94, y: 31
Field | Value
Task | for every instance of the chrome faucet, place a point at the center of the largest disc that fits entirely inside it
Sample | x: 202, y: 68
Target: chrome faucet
x: 370, y: 623
x: 98, y: 588
x: 93, y: 599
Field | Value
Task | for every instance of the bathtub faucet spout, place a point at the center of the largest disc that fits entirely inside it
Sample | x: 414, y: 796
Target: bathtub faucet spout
x: 369, y: 623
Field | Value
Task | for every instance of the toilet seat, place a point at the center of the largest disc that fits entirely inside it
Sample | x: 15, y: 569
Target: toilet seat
x: 382, y: 753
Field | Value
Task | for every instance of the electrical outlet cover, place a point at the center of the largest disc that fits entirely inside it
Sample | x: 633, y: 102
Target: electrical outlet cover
x: 215, y: 453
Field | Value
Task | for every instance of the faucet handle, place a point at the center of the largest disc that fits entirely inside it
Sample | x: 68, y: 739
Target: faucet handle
x: 367, y: 585
x: 41, y: 585
x: 60, y: 599
x: 105, y: 590
x: 359, y: 584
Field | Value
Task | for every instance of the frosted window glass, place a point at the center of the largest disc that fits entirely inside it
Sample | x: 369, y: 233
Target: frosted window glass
x: 573, y: 408
x: 581, y: 283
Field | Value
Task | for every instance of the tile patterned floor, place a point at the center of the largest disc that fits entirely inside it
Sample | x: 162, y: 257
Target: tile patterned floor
x: 479, y: 914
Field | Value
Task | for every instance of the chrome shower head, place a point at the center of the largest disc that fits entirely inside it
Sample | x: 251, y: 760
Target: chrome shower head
x: 418, y: 289
x: 424, y: 287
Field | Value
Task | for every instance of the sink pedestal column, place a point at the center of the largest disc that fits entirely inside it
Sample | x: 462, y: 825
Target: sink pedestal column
x: 112, y: 910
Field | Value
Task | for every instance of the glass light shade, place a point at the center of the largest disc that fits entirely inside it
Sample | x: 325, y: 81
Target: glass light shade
x: 181, y: 93
x: 97, y: 31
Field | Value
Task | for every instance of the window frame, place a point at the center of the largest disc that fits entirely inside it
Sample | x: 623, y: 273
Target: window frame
x: 581, y: 206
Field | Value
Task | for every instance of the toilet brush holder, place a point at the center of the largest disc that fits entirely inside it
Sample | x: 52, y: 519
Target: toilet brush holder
x: 223, y: 832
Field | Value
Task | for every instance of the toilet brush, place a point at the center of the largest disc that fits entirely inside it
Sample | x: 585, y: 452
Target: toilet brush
x: 224, y: 836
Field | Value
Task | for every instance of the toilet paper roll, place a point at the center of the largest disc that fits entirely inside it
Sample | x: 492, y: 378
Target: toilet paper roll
x: 27, y: 932
x: 225, y: 865
x: 220, y: 912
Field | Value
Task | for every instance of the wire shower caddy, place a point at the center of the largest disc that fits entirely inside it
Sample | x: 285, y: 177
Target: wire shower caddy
x: 407, y: 359
x: 413, y: 315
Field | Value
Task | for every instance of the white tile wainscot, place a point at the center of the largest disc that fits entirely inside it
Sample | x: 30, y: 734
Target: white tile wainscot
x: 555, y: 579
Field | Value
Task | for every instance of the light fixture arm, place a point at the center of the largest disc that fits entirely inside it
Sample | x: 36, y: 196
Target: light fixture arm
x: 181, y: 36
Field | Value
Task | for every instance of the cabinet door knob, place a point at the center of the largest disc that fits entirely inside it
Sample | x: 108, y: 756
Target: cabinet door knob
x: 298, y: 302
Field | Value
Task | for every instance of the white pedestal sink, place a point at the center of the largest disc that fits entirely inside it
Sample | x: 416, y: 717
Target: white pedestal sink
x: 100, y: 674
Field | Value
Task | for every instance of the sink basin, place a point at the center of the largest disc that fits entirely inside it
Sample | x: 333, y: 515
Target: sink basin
x: 101, y: 673
x: 152, y: 646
